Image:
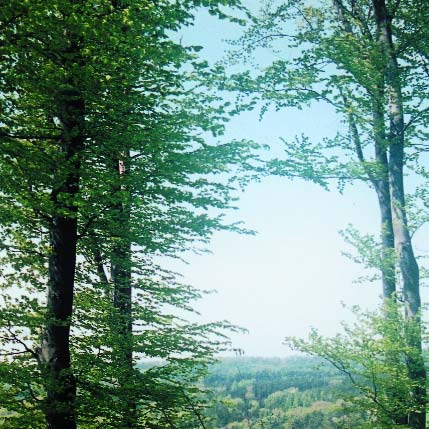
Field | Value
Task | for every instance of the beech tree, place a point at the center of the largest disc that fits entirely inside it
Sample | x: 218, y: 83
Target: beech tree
x: 365, y: 59
x: 103, y: 165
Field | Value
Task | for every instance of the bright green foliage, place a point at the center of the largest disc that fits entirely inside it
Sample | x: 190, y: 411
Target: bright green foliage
x: 328, y: 55
x: 369, y: 252
x: 134, y: 80
x: 375, y: 356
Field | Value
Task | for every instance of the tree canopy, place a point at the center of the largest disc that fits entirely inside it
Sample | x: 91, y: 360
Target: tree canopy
x: 104, y: 165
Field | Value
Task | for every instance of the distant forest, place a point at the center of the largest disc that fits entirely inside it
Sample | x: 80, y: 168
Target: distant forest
x: 275, y: 393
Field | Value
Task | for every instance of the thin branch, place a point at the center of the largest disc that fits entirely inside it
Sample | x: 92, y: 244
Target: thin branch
x: 356, y: 140
x: 303, y: 15
x: 22, y: 250
x: 303, y: 89
x: 17, y: 340
x: 415, y: 117
x: 172, y: 426
x: 274, y: 35
x: 12, y: 353
x: 32, y: 394
x: 86, y: 228
x: 193, y: 408
x: 29, y: 137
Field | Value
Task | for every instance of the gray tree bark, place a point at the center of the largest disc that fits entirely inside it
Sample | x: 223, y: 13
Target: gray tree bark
x: 403, y: 245
x: 381, y: 186
x: 380, y: 182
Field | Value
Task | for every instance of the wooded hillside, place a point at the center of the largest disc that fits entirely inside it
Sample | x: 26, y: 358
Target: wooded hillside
x: 290, y: 393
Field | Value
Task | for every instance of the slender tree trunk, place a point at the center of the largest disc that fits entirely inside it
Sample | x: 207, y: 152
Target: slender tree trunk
x: 122, y: 301
x: 407, y: 261
x: 381, y: 185
x: 54, y: 354
x: 380, y: 182
x: 387, y: 241
x: 410, y: 278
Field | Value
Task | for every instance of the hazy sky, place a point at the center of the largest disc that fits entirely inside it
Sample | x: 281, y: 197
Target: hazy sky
x: 291, y: 275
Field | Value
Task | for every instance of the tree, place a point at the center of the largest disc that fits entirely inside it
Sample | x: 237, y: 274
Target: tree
x: 364, y: 60
x: 87, y: 89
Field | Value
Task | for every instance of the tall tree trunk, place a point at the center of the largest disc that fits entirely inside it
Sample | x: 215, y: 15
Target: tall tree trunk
x: 122, y: 300
x: 54, y: 354
x: 380, y: 182
x: 407, y: 261
x: 381, y: 185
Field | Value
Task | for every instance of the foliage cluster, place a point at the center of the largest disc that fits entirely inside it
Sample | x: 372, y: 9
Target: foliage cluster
x: 376, y: 357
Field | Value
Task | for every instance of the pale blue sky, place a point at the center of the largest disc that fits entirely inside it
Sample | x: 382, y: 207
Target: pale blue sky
x: 291, y: 275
